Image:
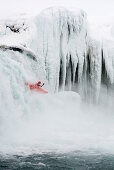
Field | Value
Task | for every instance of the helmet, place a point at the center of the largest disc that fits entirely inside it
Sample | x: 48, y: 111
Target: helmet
x: 39, y: 82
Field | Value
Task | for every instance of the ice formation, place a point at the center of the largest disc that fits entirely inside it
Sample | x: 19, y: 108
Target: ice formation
x: 60, y: 42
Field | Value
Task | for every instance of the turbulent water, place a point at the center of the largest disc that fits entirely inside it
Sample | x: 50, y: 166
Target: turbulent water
x: 54, y: 131
x: 67, y: 161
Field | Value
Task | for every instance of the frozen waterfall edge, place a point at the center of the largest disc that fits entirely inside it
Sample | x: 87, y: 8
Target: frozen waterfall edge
x: 59, y: 41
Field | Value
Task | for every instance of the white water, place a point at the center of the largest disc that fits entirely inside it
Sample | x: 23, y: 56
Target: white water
x: 54, y: 122
x: 31, y: 122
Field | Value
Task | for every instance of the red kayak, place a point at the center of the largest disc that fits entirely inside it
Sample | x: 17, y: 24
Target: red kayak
x: 33, y: 87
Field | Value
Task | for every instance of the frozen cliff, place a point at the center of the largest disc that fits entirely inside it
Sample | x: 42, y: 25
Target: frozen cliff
x: 67, y: 55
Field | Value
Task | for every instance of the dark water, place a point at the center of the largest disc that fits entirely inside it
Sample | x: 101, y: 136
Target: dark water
x: 53, y: 161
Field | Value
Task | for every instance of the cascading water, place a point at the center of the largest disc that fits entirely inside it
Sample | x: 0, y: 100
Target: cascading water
x: 55, y: 48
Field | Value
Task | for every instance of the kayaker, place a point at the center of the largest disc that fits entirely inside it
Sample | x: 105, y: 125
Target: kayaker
x: 39, y: 84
